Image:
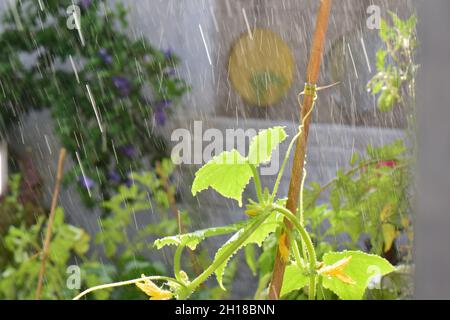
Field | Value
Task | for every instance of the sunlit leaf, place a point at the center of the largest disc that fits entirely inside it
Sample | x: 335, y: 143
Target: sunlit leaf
x: 269, y: 226
x: 264, y: 144
x: 228, y: 174
x: 294, y: 279
x: 361, y: 268
x: 192, y: 239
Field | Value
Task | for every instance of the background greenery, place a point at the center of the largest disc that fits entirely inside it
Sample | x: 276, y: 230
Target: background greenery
x: 132, y: 96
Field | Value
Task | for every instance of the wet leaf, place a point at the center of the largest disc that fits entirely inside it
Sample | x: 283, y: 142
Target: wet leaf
x: 228, y: 174
x: 268, y: 227
x: 361, y: 268
x: 264, y: 144
x: 294, y: 279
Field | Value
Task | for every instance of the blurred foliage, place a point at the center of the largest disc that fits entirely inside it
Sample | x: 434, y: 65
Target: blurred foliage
x: 366, y: 207
x: 23, y: 230
x: 126, y: 248
x: 134, y: 87
x: 130, y: 201
x: 14, y: 212
x: 395, y: 63
x: 125, y: 244
x: 21, y: 247
x: 370, y: 199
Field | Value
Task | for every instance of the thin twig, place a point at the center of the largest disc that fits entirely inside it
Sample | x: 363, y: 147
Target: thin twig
x: 51, y: 219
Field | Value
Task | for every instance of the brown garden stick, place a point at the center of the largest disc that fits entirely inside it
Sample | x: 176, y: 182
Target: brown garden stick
x: 51, y: 218
x: 315, y: 61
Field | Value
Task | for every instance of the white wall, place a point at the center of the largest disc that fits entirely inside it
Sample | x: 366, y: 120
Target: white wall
x: 175, y: 24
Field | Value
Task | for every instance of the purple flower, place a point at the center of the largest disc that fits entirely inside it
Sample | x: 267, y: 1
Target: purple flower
x: 169, y: 72
x: 129, y: 181
x: 128, y: 150
x: 169, y: 54
x: 163, y: 103
x: 160, y: 116
x: 159, y: 112
x: 122, y: 84
x: 85, y: 4
x: 114, y: 176
x: 105, y: 56
x: 85, y: 182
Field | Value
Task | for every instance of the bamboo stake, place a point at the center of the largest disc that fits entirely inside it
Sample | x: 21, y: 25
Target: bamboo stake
x: 300, y: 151
x: 51, y: 219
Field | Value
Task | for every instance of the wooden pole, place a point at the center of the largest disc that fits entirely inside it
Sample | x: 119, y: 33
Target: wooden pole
x: 312, y: 75
x: 51, y: 219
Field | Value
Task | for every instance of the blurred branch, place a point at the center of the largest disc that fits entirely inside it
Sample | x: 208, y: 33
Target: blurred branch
x: 51, y: 219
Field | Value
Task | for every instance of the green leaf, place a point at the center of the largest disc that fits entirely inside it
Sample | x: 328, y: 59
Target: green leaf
x: 294, y: 279
x: 192, y: 239
x: 335, y: 199
x: 269, y: 226
x: 381, y: 59
x: 264, y: 144
x: 228, y: 174
x: 347, y: 221
x: 250, y: 258
x: 354, y: 158
x: 59, y: 218
x: 388, y: 152
x: 82, y: 245
x: 361, y: 268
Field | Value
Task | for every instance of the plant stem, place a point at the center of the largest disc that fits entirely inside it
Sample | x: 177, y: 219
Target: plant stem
x: 125, y: 283
x: 177, y: 262
x: 51, y: 219
x: 320, y: 289
x: 225, y: 256
x: 261, y: 286
x: 309, y: 247
x: 298, y: 256
x: 286, y: 158
x: 300, y: 205
x: 257, y: 183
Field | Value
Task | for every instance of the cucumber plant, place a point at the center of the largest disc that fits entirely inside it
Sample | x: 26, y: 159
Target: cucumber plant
x: 345, y: 273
